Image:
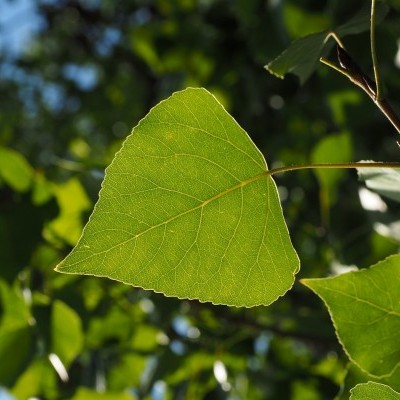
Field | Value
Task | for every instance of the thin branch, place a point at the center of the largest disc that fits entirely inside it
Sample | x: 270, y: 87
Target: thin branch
x: 352, y: 71
x: 368, y: 86
x: 374, y: 56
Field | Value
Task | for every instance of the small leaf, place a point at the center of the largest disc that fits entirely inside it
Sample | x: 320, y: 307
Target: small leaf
x: 15, y: 170
x: 385, y: 181
x: 73, y: 201
x: 188, y: 209
x: 16, y: 333
x: 373, y: 391
x: 67, y: 335
x: 333, y: 149
x: 301, y: 58
x: 39, y: 379
x: 365, y: 309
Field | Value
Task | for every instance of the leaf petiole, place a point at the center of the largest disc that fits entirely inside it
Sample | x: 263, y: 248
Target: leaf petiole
x: 373, y: 54
x: 351, y: 165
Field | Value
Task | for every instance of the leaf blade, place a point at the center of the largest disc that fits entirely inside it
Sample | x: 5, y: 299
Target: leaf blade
x: 194, y: 226
x: 364, y: 307
x: 373, y: 390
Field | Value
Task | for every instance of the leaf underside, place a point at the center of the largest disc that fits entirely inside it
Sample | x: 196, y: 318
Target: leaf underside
x: 302, y: 56
x: 188, y: 209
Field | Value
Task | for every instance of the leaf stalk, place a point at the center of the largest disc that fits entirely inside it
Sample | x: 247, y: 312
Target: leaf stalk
x: 350, y: 165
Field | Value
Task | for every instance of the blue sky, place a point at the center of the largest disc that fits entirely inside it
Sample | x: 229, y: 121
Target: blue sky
x: 19, y: 20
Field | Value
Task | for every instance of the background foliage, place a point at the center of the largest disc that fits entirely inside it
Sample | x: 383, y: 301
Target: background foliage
x: 89, y: 71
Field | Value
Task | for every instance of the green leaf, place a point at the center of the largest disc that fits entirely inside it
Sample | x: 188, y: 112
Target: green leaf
x: 15, y: 170
x: 365, y: 309
x: 373, y: 391
x: 115, y: 325
x: 16, y: 334
x: 39, y: 379
x: 118, y: 379
x: 354, y: 376
x: 188, y: 209
x: 302, y: 56
x: 145, y: 338
x: 73, y: 201
x: 332, y: 149
x: 300, y: 22
x: 87, y: 394
x: 67, y: 335
x: 385, y: 181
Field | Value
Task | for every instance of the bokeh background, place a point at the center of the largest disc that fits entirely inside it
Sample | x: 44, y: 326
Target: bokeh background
x: 75, y: 78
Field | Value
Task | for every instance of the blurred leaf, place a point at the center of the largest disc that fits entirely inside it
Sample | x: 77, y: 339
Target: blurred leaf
x: 42, y: 190
x: 302, y: 56
x: 364, y: 307
x: 15, y: 170
x: 21, y: 226
x: 331, y: 149
x: 39, y: 379
x: 382, y: 180
x: 88, y: 394
x: 372, y: 390
x: 115, y: 325
x: 145, y: 338
x: 15, y: 312
x: 339, y: 102
x: 117, y: 377
x: 304, y: 389
x: 188, y: 210
x: 73, y: 201
x: 361, y: 22
x: 143, y: 46
x: 16, y: 335
x: 67, y: 336
x: 300, y: 22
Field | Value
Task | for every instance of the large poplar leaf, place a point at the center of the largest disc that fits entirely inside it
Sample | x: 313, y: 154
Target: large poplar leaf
x: 365, y: 308
x: 373, y: 391
x: 187, y: 208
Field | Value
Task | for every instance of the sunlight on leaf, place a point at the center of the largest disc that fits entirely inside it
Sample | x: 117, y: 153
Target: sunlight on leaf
x: 15, y: 169
x: 187, y: 209
x: 365, y: 309
x: 88, y: 394
x: 73, y: 201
